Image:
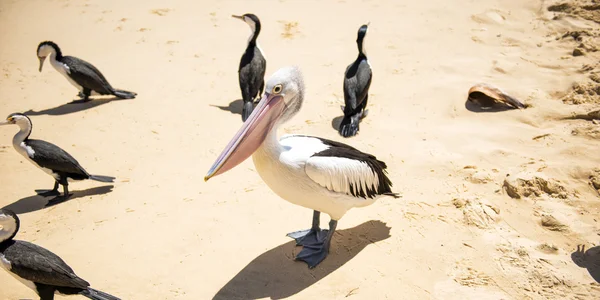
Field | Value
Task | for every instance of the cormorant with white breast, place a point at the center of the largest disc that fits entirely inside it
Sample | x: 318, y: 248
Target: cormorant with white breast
x: 49, y: 158
x: 252, y: 67
x: 38, y: 268
x: 81, y: 74
x: 357, y: 81
x: 316, y: 173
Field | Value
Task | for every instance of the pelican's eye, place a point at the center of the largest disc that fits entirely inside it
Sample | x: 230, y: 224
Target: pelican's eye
x: 277, y: 89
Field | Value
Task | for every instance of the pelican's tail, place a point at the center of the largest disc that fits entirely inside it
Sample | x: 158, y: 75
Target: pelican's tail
x: 124, y: 94
x: 247, y: 110
x: 102, y: 178
x: 349, y: 125
x: 98, y: 295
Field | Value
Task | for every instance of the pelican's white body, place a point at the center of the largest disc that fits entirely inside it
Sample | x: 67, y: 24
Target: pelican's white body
x: 282, y: 164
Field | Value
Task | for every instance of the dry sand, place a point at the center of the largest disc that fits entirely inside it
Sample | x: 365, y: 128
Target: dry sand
x: 463, y: 229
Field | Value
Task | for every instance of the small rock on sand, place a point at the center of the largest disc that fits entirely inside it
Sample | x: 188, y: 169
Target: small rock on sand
x: 551, y: 223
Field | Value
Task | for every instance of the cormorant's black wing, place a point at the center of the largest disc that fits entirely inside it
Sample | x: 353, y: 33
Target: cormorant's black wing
x: 86, y: 75
x: 252, y: 71
x: 357, y: 81
x: 52, y: 157
x: 34, y: 263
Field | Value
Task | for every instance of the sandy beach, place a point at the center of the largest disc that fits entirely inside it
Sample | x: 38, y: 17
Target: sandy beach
x: 494, y: 202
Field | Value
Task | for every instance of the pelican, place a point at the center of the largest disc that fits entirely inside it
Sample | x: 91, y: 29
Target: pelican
x: 316, y: 173
x: 38, y: 268
x: 251, y: 72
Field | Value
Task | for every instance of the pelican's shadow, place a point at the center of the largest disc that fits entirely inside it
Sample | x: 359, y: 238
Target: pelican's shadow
x: 589, y: 259
x: 36, y: 202
x: 72, y: 107
x: 470, y: 106
x: 235, y: 107
x: 274, y: 274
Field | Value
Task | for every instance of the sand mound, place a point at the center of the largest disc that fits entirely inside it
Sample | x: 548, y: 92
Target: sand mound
x: 551, y: 223
x: 478, y: 212
x: 526, y: 185
x: 595, y: 180
x: 589, y: 10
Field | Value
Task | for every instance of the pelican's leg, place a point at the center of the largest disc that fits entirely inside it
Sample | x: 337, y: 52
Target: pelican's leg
x: 46, y: 193
x: 312, y: 235
x: 315, y: 253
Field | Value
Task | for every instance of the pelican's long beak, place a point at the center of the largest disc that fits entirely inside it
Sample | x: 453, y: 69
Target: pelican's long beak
x: 250, y: 136
x: 238, y: 17
x: 41, y: 62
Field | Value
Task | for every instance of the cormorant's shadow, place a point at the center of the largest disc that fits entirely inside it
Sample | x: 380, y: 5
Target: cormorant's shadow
x: 274, y: 274
x: 72, y: 107
x: 235, y: 107
x: 36, y: 202
x: 589, y: 259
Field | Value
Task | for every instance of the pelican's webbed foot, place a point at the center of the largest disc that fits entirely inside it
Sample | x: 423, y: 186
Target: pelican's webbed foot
x: 316, y: 246
x: 312, y: 235
x: 308, y: 236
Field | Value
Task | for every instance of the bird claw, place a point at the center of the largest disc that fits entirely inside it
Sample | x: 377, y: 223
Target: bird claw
x: 46, y: 193
x: 308, y: 236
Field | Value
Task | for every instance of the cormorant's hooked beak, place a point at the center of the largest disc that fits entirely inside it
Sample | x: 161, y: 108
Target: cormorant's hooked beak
x: 238, y: 17
x: 42, y: 59
x: 250, y: 136
x: 7, y: 122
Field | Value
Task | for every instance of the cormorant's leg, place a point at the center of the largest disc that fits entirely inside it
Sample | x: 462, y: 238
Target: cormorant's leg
x: 262, y: 88
x: 312, y: 235
x: 315, y: 253
x: 85, y: 96
x: 46, y: 193
x: 63, y: 197
x: 45, y: 292
x: 364, y: 111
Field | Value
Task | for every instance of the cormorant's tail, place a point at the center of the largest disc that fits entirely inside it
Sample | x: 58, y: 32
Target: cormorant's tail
x: 102, y: 178
x: 247, y: 110
x: 124, y: 94
x: 349, y: 125
x: 98, y: 295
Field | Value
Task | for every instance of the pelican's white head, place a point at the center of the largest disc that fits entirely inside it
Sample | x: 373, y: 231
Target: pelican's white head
x: 282, y: 100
